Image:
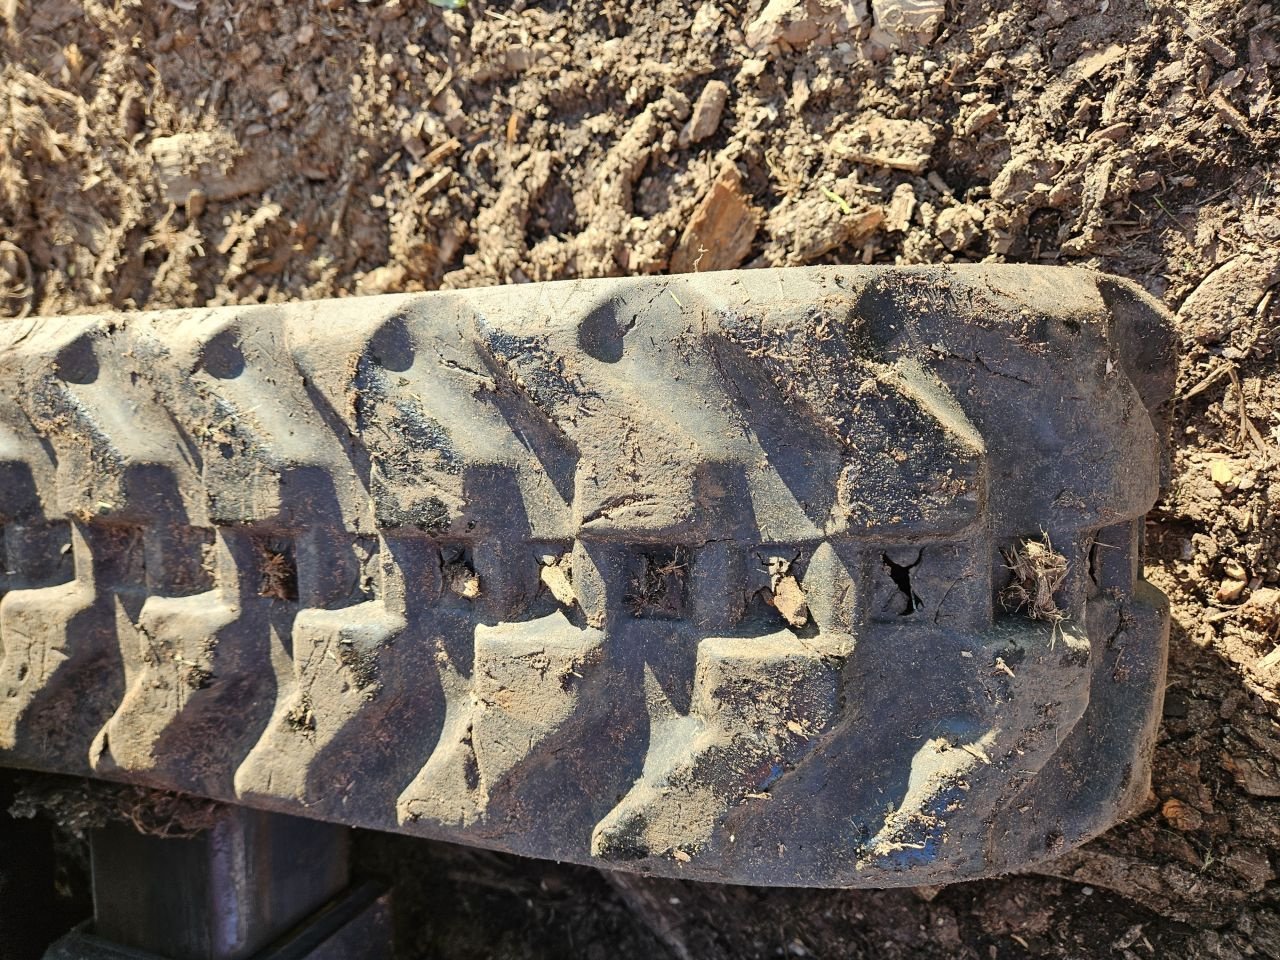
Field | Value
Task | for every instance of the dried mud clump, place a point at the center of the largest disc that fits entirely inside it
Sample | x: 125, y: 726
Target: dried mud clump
x: 301, y: 716
x: 1038, y: 571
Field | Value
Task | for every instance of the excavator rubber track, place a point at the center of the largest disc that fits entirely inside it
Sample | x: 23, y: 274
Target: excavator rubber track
x: 818, y: 577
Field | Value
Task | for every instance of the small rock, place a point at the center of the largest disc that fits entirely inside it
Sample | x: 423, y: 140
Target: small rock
x: 1116, y: 132
x: 1220, y: 473
x: 278, y: 102
x: 1148, y: 180
x: 462, y: 580
x: 706, y: 22
x: 721, y: 231
x: 556, y: 577
x: 1235, y: 570
x: 389, y: 278
x: 1229, y: 591
x: 959, y: 226
x: 706, y: 113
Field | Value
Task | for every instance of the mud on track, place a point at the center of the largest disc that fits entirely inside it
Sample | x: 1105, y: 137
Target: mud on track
x: 157, y: 156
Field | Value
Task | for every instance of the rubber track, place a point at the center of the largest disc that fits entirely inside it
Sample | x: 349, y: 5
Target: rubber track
x: 695, y: 575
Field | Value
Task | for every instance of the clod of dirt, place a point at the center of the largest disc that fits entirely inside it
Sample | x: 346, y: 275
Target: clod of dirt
x: 721, y: 231
x: 301, y: 716
x: 16, y: 290
x: 1251, y: 777
x: 880, y: 141
x: 707, y: 111
x: 959, y: 226
x: 209, y: 164
x: 804, y: 230
x: 461, y: 579
x: 906, y: 24
x: 1038, y: 571
x: 1267, y: 669
x: 1229, y: 295
x: 797, y: 24
x: 1263, y: 609
x: 787, y: 596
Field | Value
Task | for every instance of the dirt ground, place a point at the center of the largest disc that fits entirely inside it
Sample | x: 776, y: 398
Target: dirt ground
x: 190, y: 152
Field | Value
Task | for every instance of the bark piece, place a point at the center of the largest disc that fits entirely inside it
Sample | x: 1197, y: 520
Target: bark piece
x: 706, y: 113
x: 721, y: 231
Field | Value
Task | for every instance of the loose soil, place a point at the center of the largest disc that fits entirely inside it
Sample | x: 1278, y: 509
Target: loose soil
x: 192, y: 152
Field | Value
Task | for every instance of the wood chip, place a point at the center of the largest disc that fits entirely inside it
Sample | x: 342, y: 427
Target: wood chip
x: 721, y: 231
x: 1181, y: 816
x: 901, y: 208
x: 1250, y: 779
x: 707, y: 112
